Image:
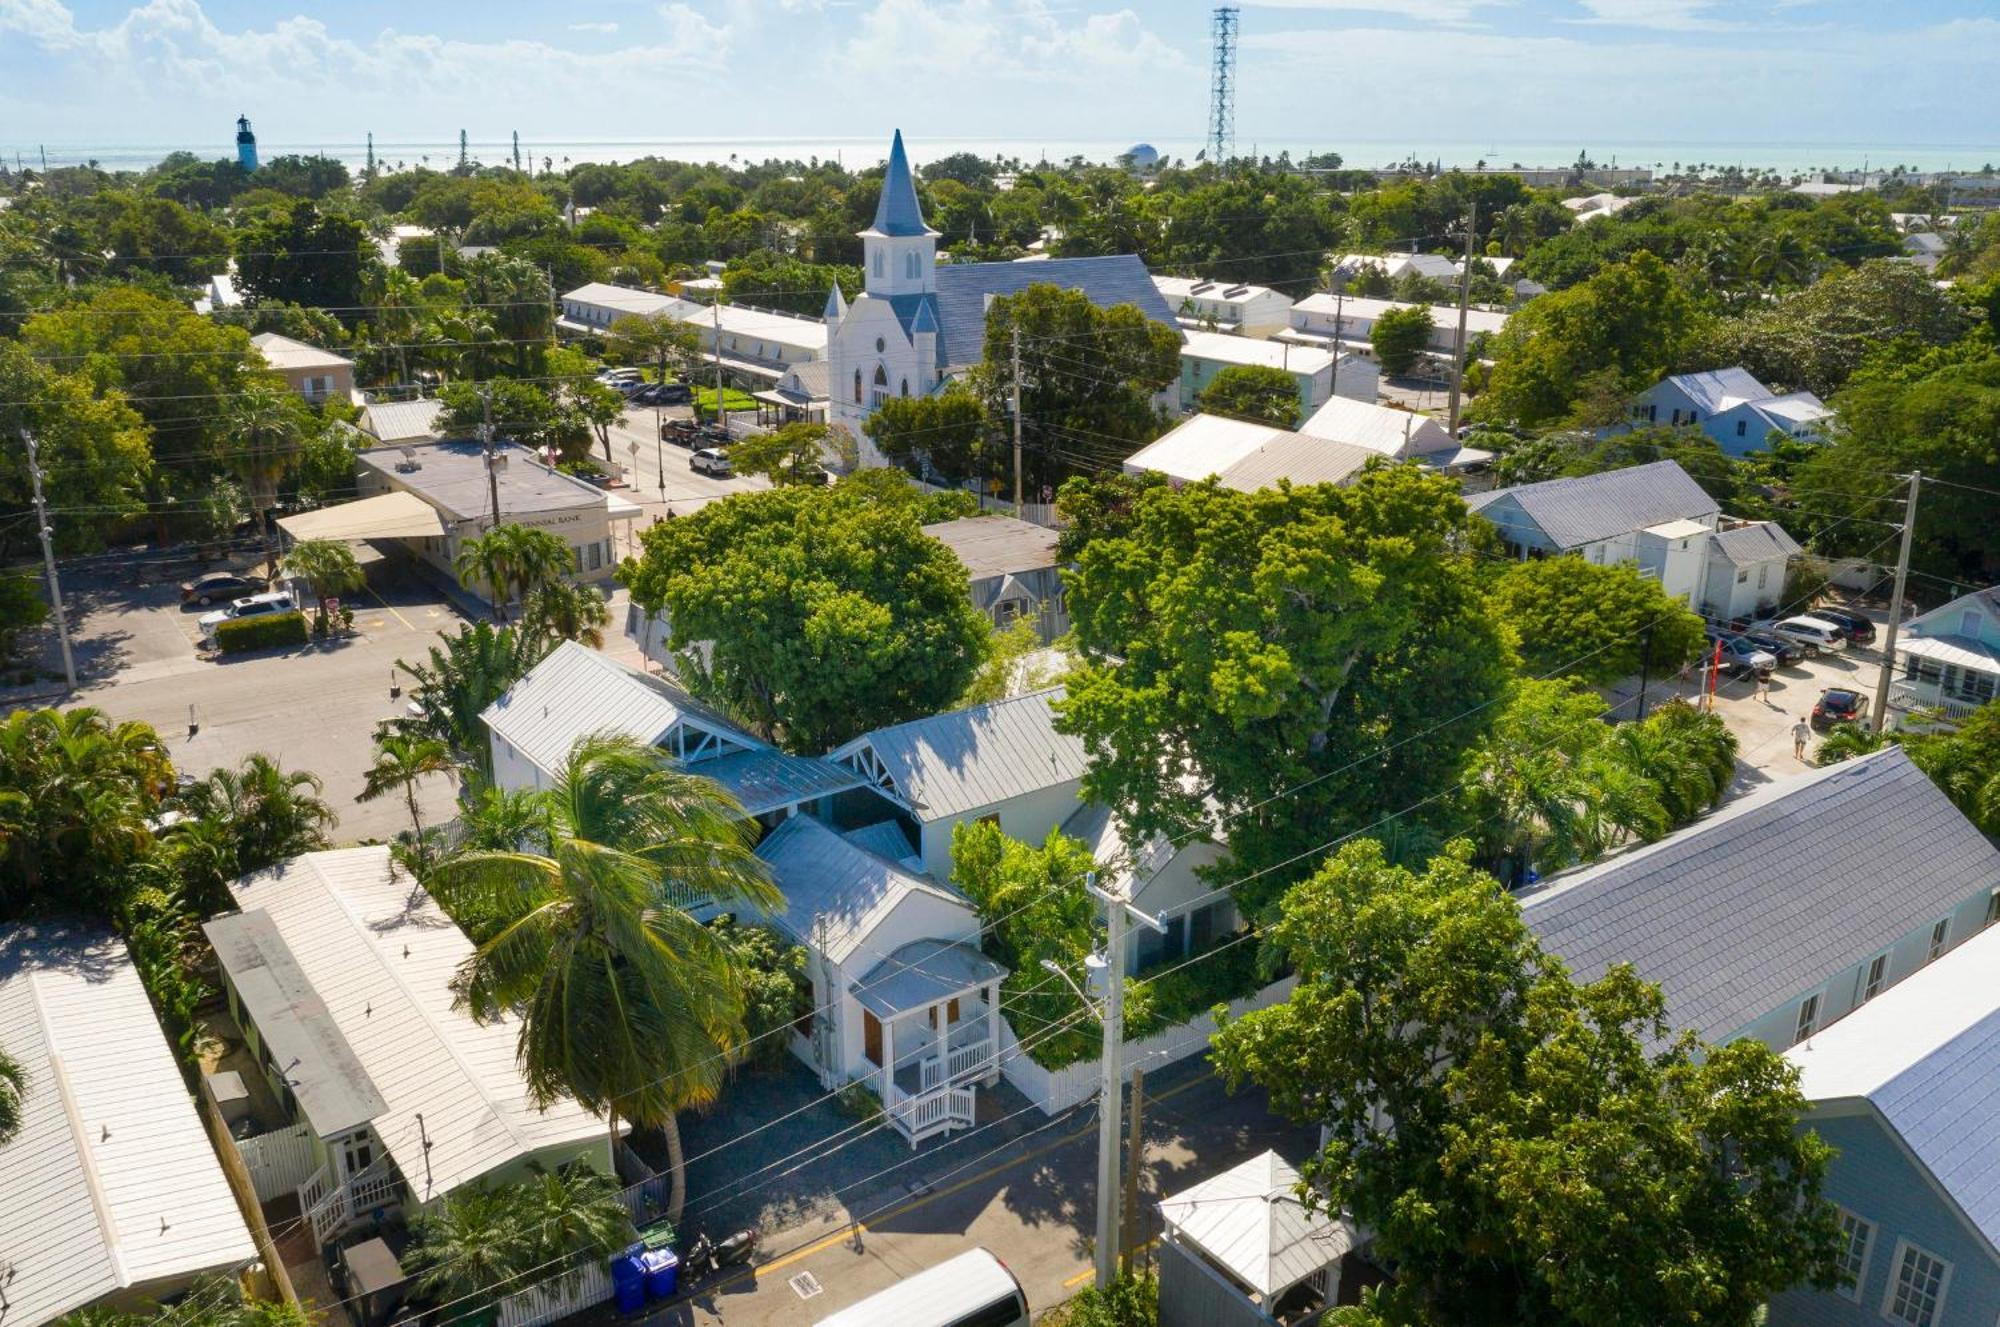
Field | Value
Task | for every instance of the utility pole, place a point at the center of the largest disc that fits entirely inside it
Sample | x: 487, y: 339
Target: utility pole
x: 49, y: 558
x: 1135, y: 1161
x: 1645, y: 657
x: 486, y: 441
x: 1016, y: 390
x: 1882, y: 679
x: 721, y: 419
x: 1464, y: 298
x: 659, y: 436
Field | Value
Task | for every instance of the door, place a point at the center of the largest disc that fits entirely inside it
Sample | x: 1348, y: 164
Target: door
x: 871, y: 1038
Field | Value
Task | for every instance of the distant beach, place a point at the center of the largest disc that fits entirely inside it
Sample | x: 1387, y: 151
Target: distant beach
x: 860, y: 152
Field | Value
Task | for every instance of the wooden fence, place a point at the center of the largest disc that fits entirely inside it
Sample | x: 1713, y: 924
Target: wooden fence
x: 272, y: 1281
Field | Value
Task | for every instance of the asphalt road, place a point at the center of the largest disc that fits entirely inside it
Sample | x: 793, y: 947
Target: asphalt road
x: 684, y: 491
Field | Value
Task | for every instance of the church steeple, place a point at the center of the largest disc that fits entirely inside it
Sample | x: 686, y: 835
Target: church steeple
x: 897, y: 212
x: 836, y: 307
x: 899, y: 249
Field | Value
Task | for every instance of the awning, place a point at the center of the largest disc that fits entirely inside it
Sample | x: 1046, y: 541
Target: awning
x: 924, y: 973
x: 387, y: 516
x: 1951, y: 650
x: 748, y: 367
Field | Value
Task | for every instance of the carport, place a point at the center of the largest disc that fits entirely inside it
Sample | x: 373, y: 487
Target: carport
x: 395, y: 515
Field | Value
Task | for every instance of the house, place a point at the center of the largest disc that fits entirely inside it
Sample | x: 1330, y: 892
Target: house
x: 219, y: 292
x: 110, y: 1195
x: 1594, y: 206
x: 1002, y: 763
x: 904, y: 1002
x: 1246, y: 456
x: 338, y: 969
x: 431, y: 498
x: 1906, y: 1091
x: 756, y: 345
x: 577, y: 692
x: 1160, y: 878
x: 1924, y: 248
x: 1950, y: 657
x: 1240, y: 1248
x: 1013, y: 567
x: 1218, y: 306
x: 317, y: 375
x: 1788, y: 908
x: 1730, y: 406
x: 1206, y: 354
x: 1400, y: 435
x: 1744, y: 565
x: 798, y: 397
x: 1395, y: 266
x: 917, y: 323
x: 393, y: 422
x: 1347, y: 321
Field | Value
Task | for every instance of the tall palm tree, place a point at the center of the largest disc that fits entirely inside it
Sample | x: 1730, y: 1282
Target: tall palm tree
x: 560, y: 611
x: 627, y: 1003
x: 511, y: 560
x: 402, y: 761
x: 328, y: 566
x: 272, y: 813
x: 13, y: 1093
x: 267, y: 426
x: 76, y: 794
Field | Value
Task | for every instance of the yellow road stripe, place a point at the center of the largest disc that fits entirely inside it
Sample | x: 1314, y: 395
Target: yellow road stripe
x: 385, y: 603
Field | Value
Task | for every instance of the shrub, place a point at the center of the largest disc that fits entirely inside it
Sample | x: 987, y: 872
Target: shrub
x: 256, y: 633
x: 1133, y: 1300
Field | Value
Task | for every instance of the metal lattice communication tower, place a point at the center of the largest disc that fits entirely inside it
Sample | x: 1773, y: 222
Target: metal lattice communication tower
x: 1222, y: 86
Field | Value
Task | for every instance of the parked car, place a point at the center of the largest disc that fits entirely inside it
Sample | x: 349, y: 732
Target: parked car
x: 254, y: 605
x: 1855, y: 627
x: 679, y: 432
x: 676, y: 393
x: 1781, y: 649
x: 1740, y: 656
x: 621, y: 375
x: 709, y: 461
x: 1838, y: 705
x: 973, y: 1288
x: 1814, y: 635
x: 217, y: 585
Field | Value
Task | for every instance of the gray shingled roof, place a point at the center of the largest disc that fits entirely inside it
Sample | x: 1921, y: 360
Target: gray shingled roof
x: 1575, y: 512
x: 995, y: 545
x: 1772, y: 894
x: 1757, y: 542
x: 952, y: 763
x: 962, y: 289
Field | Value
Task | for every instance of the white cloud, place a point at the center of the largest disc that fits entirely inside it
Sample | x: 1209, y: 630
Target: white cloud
x: 593, y: 27
x: 45, y: 21
x: 689, y: 31
x: 1659, y: 15
x: 1421, y: 11
x: 974, y: 38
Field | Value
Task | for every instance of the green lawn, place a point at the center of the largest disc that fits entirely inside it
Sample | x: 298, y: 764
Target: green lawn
x: 704, y: 400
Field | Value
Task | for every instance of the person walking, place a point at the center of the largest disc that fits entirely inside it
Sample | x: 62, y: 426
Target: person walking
x: 1801, y: 734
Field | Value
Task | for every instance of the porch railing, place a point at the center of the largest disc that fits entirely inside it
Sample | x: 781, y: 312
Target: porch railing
x: 330, y: 1208
x: 928, y: 1113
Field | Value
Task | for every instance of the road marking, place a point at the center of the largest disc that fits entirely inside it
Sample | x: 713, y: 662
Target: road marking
x: 398, y: 616
x: 1081, y: 1277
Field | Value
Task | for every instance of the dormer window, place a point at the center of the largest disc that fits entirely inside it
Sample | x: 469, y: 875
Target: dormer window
x: 911, y: 264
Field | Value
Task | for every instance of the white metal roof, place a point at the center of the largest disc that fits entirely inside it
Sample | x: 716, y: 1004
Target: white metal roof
x: 282, y: 352
x: 1960, y: 650
x: 1226, y: 349
x: 952, y: 763
x: 1396, y: 433
x: 396, y: 515
x: 1924, y: 1054
x: 961, y: 1285
x: 837, y: 894
x: 112, y: 1182
x: 1200, y: 446
x: 1250, y: 1221
x: 1365, y: 309
x: 381, y: 955
x: 400, y: 421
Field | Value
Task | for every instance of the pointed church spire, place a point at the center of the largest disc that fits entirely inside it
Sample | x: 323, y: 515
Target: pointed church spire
x: 898, y: 212
x: 836, y: 306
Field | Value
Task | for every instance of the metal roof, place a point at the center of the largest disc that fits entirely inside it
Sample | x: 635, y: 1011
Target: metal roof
x: 299, y: 1035
x: 1365, y: 309
x: 577, y: 691
x: 1716, y: 390
x: 392, y: 515
x: 962, y: 290
x: 962, y: 1285
x: 923, y: 973
x: 1769, y: 896
x: 1223, y: 348
x: 382, y: 956
x: 1960, y: 650
x: 1199, y: 447
x: 968, y: 759
x: 1298, y: 458
x: 1924, y: 1054
x: 1758, y: 541
x: 886, y: 839
x: 112, y: 1182
x: 282, y: 352
x: 1575, y: 512
x: 768, y: 780
x: 848, y: 890
x: 1388, y: 432
x: 897, y: 211
x: 401, y: 421
x: 1249, y: 1221
x: 997, y: 545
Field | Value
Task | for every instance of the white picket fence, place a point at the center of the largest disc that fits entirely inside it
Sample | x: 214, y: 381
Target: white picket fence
x: 545, y: 1303
x: 1056, y: 1090
x: 279, y: 1162
x: 1035, y: 513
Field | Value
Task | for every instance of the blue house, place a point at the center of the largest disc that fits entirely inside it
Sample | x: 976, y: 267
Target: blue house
x: 1908, y: 1090
x: 1732, y: 407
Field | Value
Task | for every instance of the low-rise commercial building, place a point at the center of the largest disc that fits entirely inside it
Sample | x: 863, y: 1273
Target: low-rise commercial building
x: 1246, y: 456
x: 1218, y: 306
x: 756, y: 345
x: 1319, y: 373
x: 1347, y: 321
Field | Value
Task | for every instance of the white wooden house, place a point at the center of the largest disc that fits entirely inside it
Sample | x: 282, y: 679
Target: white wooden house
x: 1950, y: 657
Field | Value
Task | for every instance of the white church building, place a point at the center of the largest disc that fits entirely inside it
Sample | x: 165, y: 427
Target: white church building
x: 916, y: 324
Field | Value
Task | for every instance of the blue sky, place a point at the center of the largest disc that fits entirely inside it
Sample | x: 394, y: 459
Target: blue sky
x: 1582, y: 72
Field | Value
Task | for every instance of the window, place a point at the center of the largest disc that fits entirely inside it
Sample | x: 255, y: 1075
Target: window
x: 880, y: 345
x: 878, y: 263
x: 1743, y: 576
x: 1968, y: 624
x: 1763, y: 575
x: 906, y: 387
x: 1938, y: 934
x: 357, y: 1153
x: 1742, y: 427
x: 857, y: 387
x: 1000, y: 1313
x: 881, y: 390
x: 1916, y: 1290
x: 1855, y: 1237
x: 910, y: 264
x: 1808, y: 1018
x: 596, y: 556
x: 1993, y: 907
x: 1878, y: 972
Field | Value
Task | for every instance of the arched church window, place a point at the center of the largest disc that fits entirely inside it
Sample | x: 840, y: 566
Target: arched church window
x: 857, y: 387
x: 906, y: 386
x: 881, y: 376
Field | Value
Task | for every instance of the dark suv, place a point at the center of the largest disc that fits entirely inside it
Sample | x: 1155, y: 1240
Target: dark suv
x: 1860, y: 631
x: 1838, y: 705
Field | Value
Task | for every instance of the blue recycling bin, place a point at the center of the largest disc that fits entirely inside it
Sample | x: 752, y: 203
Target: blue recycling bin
x: 628, y: 1282
x: 663, y: 1272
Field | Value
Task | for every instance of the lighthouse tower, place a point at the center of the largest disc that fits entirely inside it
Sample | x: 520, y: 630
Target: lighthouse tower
x: 246, y: 144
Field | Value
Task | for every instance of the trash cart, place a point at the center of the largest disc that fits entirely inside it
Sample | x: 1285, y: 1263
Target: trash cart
x: 628, y: 1282
x: 663, y: 1272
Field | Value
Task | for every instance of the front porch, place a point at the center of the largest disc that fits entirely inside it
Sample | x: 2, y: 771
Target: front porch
x: 1944, y: 676
x: 930, y: 1025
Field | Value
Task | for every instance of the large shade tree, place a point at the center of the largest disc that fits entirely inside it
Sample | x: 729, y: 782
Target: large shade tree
x: 625, y: 1001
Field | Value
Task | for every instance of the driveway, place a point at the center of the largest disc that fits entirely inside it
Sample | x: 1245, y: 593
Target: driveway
x: 1023, y: 1187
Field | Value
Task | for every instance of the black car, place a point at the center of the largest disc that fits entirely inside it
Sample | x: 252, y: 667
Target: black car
x: 674, y: 393
x: 1783, y: 650
x: 1838, y: 705
x: 221, y: 587
x: 680, y: 432
x: 1859, y: 629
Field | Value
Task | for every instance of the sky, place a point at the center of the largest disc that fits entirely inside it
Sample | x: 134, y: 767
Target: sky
x: 1592, y: 73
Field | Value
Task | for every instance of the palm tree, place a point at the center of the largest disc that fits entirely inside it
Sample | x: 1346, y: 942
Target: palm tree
x: 246, y: 819
x: 266, y: 424
x: 511, y: 560
x: 627, y: 1003
x: 76, y: 794
x: 465, y: 1244
x: 328, y: 566
x: 560, y: 611
x: 572, y: 1216
x: 13, y: 1092
x: 401, y: 762
x: 472, y: 670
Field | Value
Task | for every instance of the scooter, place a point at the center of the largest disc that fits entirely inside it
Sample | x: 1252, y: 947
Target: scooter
x: 705, y: 1258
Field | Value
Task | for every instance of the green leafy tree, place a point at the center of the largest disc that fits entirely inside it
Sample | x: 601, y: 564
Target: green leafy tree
x: 794, y: 454
x: 264, y: 813
x: 463, y: 675
x: 1255, y: 392
x: 13, y: 1096
x: 821, y: 612
x: 670, y: 347
x: 76, y: 794
x: 562, y: 610
x: 1963, y: 761
x: 300, y: 255
x: 22, y: 608
x: 328, y: 566
x: 946, y: 434
x: 520, y: 412
x: 1598, y: 623
x: 402, y: 762
x: 512, y: 561
x: 94, y: 451
x: 1524, y: 1148
x: 1033, y: 906
x: 1399, y: 337
x: 1331, y: 621
x: 625, y: 1002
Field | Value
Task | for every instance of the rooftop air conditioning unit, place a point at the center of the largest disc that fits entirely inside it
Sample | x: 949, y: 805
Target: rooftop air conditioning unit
x: 409, y: 464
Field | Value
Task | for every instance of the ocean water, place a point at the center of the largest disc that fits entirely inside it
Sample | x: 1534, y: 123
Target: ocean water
x: 1787, y: 158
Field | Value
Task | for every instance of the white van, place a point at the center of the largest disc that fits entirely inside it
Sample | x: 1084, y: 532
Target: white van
x: 972, y: 1290
x: 1812, y: 633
